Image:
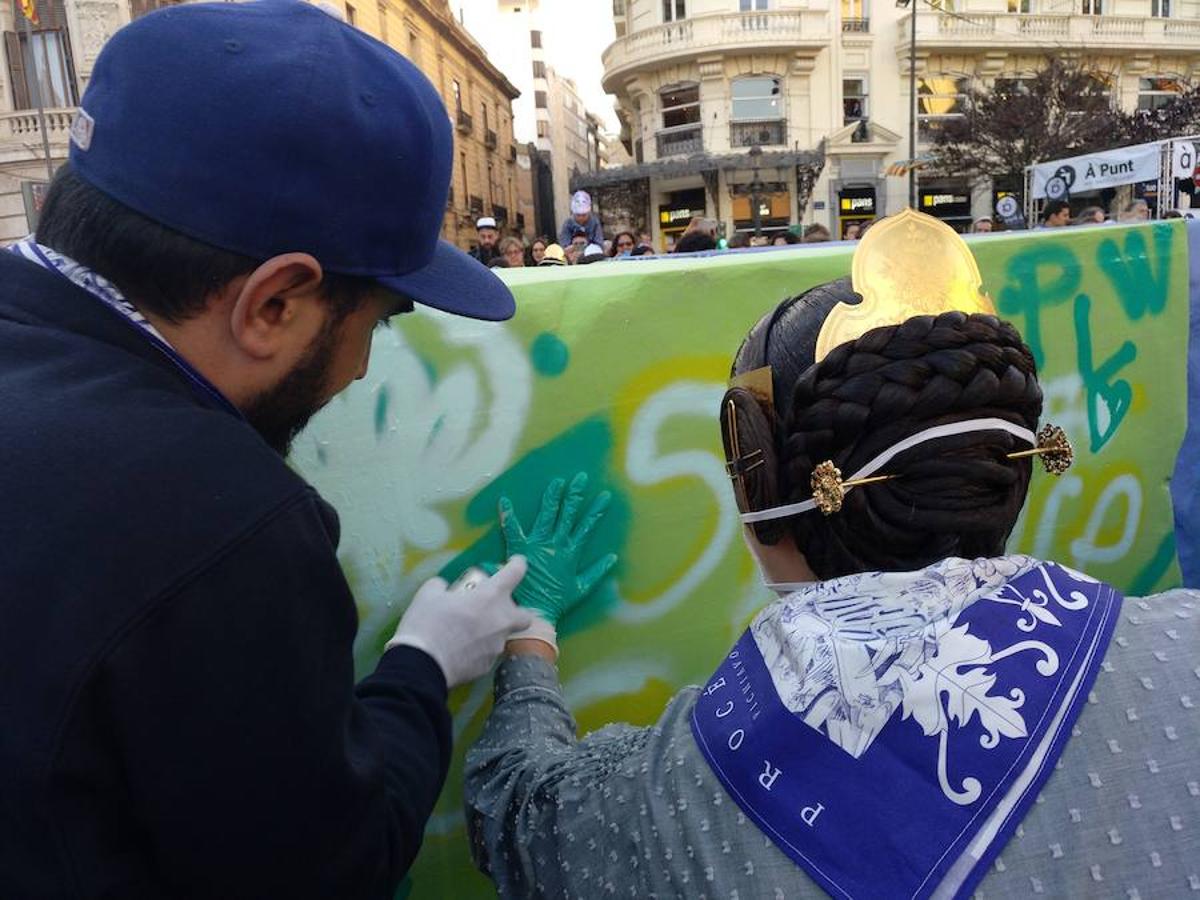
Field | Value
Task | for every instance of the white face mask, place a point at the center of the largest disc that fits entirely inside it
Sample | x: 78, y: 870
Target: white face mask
x: 783, y: 588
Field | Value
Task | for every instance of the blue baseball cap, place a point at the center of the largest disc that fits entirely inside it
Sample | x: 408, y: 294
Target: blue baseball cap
x: 270, y: 127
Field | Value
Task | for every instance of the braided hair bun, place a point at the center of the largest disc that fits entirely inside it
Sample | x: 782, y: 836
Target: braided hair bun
x: 958, y: 496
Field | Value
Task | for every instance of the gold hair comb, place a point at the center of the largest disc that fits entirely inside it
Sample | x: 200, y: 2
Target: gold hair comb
x: 909, y: 264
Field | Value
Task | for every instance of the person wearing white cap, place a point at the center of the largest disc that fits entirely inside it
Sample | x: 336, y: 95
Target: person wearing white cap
x: 581, y: 217
x: 485, y: 251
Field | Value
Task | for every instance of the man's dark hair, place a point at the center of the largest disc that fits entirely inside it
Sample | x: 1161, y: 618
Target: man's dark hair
x: 695, y: 242
x: 160, y: 270
x: 1053, y: 208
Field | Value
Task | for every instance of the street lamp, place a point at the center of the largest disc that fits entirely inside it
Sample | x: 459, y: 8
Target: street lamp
x: 912, y: 103
x: 756, y: 188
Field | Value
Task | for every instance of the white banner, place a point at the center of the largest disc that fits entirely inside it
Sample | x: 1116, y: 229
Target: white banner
x: 1126, y: 165
x: 1183, y: 160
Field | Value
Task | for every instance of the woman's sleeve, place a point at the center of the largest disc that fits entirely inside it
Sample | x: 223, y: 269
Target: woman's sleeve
x: 514, y: 771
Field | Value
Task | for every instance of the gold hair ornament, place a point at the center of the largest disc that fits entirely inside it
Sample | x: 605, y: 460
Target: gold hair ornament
x: 909, y: 264
x: 829, y: 490
x: 1053, y: 447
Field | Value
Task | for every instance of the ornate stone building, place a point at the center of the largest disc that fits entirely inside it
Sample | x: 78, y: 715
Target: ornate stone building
x: 821, y: 89
x: 56, y: 60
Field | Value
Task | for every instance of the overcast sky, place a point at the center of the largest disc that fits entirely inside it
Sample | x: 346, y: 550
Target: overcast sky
x: 574, y: 34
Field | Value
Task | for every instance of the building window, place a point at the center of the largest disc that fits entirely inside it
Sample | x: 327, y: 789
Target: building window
x: 462, y: 163
x: 1157, y: 92
x: 484, y: 114
x: 674, y: 10
x: 456, y: 89
x: 1092, y: 7
x: 137, y: 9
x: 939, y: 99
x: 539, y: 69
x: 854, y: 100
x: 1018, y: 6
x: 535, y: 39
x: 854, y: 15
x: 381, y: 10
x: 539, y: 99
x: 752, y: 5
x: 543, y: 128
x: 351, y: 14
x: 1160, y: 9
x: 756, y: 98
x: 414, y: 48
x: 40, y: 66
x: 681, y: 106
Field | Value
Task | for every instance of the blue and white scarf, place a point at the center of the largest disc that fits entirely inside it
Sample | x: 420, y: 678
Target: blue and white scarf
x: 888, y: 731
x: 110, y: 295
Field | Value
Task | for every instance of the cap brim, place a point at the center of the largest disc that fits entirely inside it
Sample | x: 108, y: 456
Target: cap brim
x: 456, y: 283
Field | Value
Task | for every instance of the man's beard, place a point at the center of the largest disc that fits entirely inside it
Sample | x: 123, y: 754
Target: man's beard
x: 280, y: 413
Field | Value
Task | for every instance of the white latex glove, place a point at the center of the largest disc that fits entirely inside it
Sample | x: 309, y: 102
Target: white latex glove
x: 464, y: 628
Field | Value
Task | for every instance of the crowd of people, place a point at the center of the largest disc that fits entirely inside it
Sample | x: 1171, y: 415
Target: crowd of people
x: 581, y: 238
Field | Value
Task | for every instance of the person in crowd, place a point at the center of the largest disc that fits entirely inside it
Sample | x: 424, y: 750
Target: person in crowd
x: 853, y: 232
x: 644, y: 239
x: 487, y: 236
x: 884, y: 727
x: 513, y: 251
x: 1135, y: 211
x: 785, y: 238
x: 739, y: 240
x: 695, y: 242
x: 982, y: 226
x: 1089, y: 215
x: 1173, y: 214
x: 816, y: 234
x: 702, y: 225
x: 498, y: 262
x: 584, y: 218
x: 1056, y: 214
x: 623, y: 244
x: 180, y: 712
x: 643, y: 250
x: 590, y: 254
x: 576, y: 246
x: 553, y: 256
x: 537, y: 250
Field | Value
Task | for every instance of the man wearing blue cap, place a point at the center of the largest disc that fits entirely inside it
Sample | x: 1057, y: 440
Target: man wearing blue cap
x: 252, y: 187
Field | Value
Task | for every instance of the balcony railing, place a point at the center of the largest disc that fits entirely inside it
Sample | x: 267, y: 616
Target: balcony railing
x: 856, y: 26
x: 786, y: 30
x: 489, y: 139
x: 1022, y: 29
x: 683, y: 140
x: 465, y: 123
x: 23, y: 124
x: 475, y: 205
x: 765, y: 133
x: 499, y: 213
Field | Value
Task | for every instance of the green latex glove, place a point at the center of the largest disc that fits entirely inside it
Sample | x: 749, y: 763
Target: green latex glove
x: 554, y: 584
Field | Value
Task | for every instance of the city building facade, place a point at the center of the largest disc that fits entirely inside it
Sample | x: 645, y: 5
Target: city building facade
x: 54, y: 61
x: 550, y: 113
x: 773, y: 113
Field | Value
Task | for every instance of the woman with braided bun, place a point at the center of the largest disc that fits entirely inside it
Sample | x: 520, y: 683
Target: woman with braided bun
x: 918, y: 714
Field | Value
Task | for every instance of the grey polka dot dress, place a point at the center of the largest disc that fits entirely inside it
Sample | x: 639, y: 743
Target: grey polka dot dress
x: 636, y: 812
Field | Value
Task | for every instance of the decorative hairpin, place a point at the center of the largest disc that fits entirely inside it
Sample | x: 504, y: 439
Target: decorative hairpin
x: 1053, y: 447
x: 829, y: 490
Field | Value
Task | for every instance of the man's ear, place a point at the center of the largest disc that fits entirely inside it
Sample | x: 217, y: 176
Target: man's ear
x: 278, y: 304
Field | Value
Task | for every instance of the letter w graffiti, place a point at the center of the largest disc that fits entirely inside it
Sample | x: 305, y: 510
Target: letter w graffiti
x: 1141, y: 289
x: 1107, y: 403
